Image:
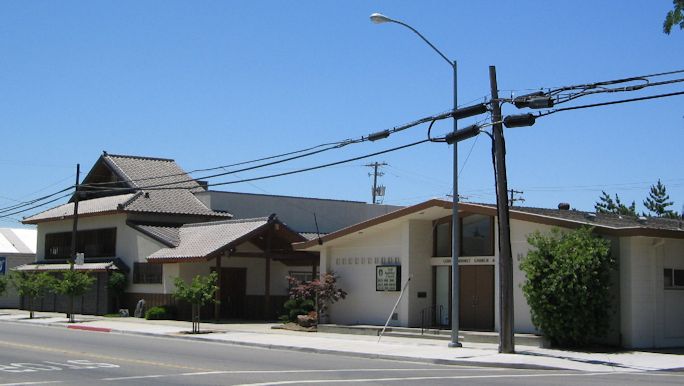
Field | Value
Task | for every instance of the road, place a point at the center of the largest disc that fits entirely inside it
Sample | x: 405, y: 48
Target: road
x: 36, y: 355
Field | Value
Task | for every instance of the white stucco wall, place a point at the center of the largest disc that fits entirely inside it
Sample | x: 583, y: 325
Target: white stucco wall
x: 355, y: 263
x: 651, y: 316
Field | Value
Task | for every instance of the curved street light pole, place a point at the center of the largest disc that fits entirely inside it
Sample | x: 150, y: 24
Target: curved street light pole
x: 378, y: 18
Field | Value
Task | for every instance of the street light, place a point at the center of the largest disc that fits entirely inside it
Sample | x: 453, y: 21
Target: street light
x: 378, y: 18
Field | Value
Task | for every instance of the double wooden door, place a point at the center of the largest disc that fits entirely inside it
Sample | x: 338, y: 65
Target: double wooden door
x: 476, y: 300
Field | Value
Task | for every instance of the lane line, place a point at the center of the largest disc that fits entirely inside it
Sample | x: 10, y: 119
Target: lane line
x: 98, y: 356
x: 404, y: 379
x: 228, y: 372
x: 29, y: 383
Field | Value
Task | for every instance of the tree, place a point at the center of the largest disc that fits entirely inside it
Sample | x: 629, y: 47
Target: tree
x: 73, y: 283
x: 323, y: 292
x: 32, y: 285
x: 3, y: 285
x: 198, y: 293
x: 607, y: 205
x: 674, y: 17
x: 568, y: 285
x: 117, y: 285
x: 658, y: 202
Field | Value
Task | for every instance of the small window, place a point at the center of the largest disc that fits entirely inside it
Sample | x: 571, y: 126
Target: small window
x: 673, y: 278
x: 146, y: 273
x: 302, y: 276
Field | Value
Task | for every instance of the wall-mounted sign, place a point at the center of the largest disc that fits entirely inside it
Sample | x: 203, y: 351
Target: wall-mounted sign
x: 3, y: 265
x: 475, y: 260
x: 388, y: 278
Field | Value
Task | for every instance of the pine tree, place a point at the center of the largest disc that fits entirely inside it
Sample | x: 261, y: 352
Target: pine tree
x: 607, y: 205
x: 658, y: 202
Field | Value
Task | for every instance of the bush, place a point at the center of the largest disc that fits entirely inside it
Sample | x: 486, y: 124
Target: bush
x: 295, y: 307
x: 157, y: 313
x: 568, y: 285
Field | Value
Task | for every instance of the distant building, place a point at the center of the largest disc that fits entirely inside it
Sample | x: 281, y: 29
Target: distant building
x: 17, y: 247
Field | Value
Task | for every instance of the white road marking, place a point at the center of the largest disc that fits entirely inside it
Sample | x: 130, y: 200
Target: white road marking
x: 226, y: 372
x: 404, y: 379
x: 29, y: 383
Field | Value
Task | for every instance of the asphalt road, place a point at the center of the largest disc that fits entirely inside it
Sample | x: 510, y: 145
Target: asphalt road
x: 36, y: 355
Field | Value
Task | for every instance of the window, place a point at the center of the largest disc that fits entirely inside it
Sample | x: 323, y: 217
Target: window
x: 303, y: 276
x: 146, y: 273
x: 92, y: 243
x: 477, y: 236
x: 673, y: 278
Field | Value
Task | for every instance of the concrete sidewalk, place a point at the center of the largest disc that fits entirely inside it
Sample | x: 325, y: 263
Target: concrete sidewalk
x: 395, y: 348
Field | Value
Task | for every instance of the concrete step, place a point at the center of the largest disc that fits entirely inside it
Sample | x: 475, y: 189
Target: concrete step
x: 439, y: 334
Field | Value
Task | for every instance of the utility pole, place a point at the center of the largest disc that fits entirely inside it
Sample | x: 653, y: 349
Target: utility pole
x: 74, y: 232
x: 513, y: 199
x: 506, y: 338
x: 376, y: 173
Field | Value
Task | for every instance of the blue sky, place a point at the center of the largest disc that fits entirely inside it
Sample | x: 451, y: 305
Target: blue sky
x: 212, y: 83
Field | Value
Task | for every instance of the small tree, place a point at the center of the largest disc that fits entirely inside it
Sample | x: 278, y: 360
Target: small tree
x: 568, y: 285
x: 117, y: 285
x: 3, y: 285
x: 32, y: 285
x: 658, y: 202
x: 198, y: 293
x: 323, y: 292
x: 72, y: 284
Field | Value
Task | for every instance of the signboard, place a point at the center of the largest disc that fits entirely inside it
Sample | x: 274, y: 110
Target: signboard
x: 388, y: 278
x: 3, y: 265
x: 475, y: 260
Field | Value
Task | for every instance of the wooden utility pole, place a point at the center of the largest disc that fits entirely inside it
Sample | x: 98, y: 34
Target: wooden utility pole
x: 513, y: 199
x: 74, y: 238
x: 376, y: 174
x: 506, y: 339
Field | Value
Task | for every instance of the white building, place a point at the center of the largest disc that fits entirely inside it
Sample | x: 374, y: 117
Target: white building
x: 649, y: 306
x: 17, y: 247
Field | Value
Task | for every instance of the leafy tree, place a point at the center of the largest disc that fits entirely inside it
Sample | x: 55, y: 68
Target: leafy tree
x: 607, y: 205
x: 73, y: 283
x: 3, y: 285
x: 658, y: 202
x: 32, y: 285
x: 198, y: 293
x: 568, y: 285
x: 323, y: 292
x: 674, y: 17
x: 117, y: 285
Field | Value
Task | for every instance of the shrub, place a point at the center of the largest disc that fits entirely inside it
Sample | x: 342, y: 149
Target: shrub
x: 296, y: 307
x: 157, y: 313
x: 322, y: 293
x: 568, y: 285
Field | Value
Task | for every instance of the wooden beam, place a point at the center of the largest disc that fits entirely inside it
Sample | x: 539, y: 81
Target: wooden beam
x: 217, y: 294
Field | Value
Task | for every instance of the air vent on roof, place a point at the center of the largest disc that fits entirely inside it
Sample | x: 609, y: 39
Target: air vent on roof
x: 564, y: 206
x: 642, y: 220
x: 590, y: 216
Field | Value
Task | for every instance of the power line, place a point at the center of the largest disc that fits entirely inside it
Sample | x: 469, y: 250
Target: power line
x: 37, y: 206
x: 549, y: 112
x: 31, y: 202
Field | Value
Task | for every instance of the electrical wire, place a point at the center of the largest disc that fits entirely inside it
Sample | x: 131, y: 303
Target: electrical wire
x: 37, y: 206
x: 31, y: 202
x: 549, y: 112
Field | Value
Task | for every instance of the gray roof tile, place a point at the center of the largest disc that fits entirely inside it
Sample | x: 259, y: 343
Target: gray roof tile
x: 202, y: 239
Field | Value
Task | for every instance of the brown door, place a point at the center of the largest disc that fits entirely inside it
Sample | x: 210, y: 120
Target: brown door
x: 233, y: 292
x: 476, y: 297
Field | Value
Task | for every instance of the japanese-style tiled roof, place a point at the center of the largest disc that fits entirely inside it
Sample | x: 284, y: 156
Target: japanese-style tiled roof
x: 160, y: 187
x: 91, y: 265
x: 147, y: 172
x: 167, y: 234
x: 198, y: 241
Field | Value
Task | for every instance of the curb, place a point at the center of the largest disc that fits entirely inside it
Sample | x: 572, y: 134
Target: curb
x: 400, y: 358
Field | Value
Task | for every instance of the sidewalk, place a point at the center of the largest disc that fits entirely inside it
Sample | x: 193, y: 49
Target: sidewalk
x: 395, y: 348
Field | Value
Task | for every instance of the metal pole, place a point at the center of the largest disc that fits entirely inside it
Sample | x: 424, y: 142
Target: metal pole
x: 455, y: 233
x: 506, y: 341
x: 375, y: 180
x: 74, y: 232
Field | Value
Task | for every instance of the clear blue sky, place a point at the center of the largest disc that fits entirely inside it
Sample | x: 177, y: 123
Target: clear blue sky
x: 212, y: 83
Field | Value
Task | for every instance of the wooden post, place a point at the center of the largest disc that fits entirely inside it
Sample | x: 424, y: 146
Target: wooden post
x: 217, y: 294
x: 267, y: 289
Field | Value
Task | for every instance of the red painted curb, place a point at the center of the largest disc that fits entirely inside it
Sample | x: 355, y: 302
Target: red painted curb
x: 89, y: 328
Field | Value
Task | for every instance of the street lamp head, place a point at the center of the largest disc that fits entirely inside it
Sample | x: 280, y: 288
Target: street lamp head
x: 378, y: 18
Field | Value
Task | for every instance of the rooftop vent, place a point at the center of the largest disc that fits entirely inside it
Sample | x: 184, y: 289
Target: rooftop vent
x: 564, y: 206
x: 642, y: 220
x: 590, y: 216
